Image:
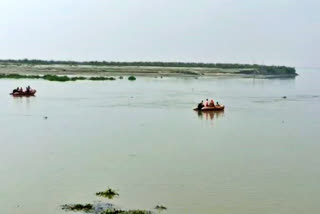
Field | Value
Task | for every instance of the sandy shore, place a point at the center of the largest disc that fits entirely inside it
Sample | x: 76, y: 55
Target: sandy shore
x: 87, y: 70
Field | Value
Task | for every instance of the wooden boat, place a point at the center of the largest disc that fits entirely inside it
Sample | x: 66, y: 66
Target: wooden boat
x: 24, y: 94
x: 215, y: 108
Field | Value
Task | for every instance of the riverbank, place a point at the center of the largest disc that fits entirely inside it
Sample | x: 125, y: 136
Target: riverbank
x: 153, y: 71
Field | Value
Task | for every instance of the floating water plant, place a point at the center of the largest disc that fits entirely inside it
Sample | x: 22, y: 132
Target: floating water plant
x: 102, y: 78
x: 116, y: 211
x: 160, y: 208
x: 109, y: 193
x: 132, y: 78
x: 61, y: 78
x: 77, y: 78
x: 104, y: 208
x: 78, y: 207
x: 19, y: 76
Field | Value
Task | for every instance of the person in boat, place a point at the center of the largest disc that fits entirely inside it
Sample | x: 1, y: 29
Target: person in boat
x: 206, y: 103
x: 200, y: 105
x: 20, y: 90
x: 211, y: 103
x: 15, y: 90
x: 217, y: 104
x: 28, y: 89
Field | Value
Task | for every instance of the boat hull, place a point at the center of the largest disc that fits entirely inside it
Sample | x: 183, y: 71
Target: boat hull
x: 216, y: 108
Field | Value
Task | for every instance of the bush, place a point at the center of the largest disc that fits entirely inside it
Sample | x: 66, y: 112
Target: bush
x: 132, y: 78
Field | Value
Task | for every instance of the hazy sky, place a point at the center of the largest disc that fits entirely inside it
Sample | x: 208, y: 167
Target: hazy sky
x: 245, y: 31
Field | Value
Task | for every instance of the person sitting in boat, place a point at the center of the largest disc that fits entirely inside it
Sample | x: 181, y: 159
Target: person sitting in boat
x: 200, y: 105
x: 206, y: 103
x: 211, y: 103
x: 217, y: 104
x: 15, y: 90
x: 20, y: 90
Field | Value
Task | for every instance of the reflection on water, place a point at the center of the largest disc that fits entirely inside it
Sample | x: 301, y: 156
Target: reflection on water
x: 210, y: 115
x: 27, y: 101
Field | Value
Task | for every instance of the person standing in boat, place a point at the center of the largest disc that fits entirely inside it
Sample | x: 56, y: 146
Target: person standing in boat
x: 28, y: 89
x: 206, y: 103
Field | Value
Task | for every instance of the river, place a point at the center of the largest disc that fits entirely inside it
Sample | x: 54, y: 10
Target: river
x: 142, y: 138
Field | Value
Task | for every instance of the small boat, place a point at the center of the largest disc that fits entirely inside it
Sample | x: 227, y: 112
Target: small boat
x: 215, y: 108
x: 24, y: 93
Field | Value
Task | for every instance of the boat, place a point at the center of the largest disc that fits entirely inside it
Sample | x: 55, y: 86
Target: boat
x: 214, y: 108
x: 24, y: 93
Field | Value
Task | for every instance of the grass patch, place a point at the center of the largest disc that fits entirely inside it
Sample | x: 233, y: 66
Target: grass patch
x: 78, y: 207
x: 109, y: 193
x: 132, y: 78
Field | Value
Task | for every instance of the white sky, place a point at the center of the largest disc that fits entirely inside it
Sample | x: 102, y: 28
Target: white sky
x: 246, y: 31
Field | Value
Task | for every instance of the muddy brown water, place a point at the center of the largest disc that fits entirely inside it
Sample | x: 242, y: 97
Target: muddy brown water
x: 143, y: 139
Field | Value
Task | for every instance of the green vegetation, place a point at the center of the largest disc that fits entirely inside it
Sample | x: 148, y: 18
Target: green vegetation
x: 109, y: 193
x: 269, y: 70
x: 132, y: 78
x: 160, y: 207
x: 102, y: 78
x: 104, y: 208
x: 89, y: 208
x: 18, y: 76
x: 116, y: 211
x: 62, y: 78
x: 50, y: 77
x: 78, y: 207
x: 254, y: 68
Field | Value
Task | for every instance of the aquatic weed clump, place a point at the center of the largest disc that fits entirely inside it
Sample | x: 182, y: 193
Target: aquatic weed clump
x: 102, y: 78
x: 160, y: 208
x: 19, y: 76
x: 132, y: 78
x: 77, y: 78
x: 78, y: 207
x: 116, y: 211
x: 57, y: 78
x: 109, y: 193
x: 102, y: 207
x: 62, y: 78
x: 51, y: 77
